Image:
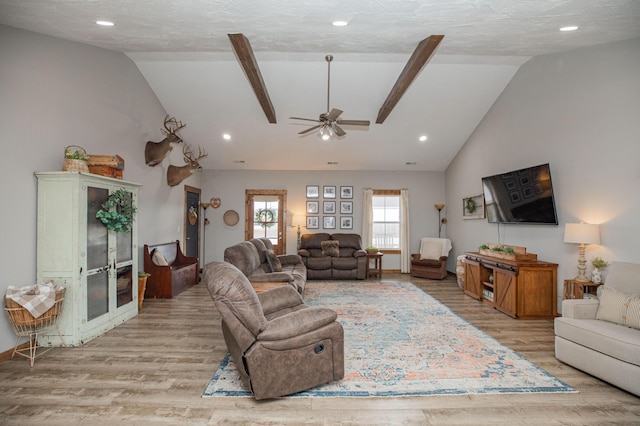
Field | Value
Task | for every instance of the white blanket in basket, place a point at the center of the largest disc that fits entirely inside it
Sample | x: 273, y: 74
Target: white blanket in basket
x: 37, y: 299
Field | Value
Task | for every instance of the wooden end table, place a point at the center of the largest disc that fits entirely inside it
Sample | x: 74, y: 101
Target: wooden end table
x: 377, y: 265
x: 576, y: 289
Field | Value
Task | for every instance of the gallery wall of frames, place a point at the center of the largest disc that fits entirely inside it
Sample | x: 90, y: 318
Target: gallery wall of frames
x: 329, y: 207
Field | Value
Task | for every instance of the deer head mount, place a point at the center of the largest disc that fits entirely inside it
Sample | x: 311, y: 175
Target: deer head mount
x: 175, y: 174
x: 155, y: 152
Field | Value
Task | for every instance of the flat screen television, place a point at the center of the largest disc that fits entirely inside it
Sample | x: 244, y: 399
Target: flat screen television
x: 521, y: 196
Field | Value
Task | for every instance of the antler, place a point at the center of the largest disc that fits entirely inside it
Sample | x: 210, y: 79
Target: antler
x: 177, y: 125
x: 188, y: 154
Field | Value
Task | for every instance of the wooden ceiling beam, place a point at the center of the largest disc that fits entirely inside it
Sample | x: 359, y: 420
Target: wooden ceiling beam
x: 248, y: 62
x: 421, y: 55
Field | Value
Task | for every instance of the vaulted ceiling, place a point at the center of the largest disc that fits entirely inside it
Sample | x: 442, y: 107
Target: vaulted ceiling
x: 183, y: 50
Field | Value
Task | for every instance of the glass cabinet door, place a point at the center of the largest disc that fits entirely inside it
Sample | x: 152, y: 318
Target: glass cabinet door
x: 124, y: 258
x: 97, y: 256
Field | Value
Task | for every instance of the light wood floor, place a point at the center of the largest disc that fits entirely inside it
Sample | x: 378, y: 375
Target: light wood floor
x: 154, y: 368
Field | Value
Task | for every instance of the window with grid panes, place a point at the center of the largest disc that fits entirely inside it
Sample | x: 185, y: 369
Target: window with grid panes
x: 386, y: 219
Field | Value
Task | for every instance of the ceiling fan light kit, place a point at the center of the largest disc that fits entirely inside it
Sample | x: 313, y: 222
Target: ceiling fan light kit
x: 330, y: 121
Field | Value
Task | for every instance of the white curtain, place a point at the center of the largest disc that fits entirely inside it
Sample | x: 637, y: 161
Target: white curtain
x: 367, y: 217
x: 405, y: 241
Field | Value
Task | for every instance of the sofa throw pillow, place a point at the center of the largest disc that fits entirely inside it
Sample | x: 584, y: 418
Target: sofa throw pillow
x: 331, y: 248
x: 633, y: 312
x: 158, y: 258
x: 613, y: 305
x: 273, y: 261
x: 431, y: 250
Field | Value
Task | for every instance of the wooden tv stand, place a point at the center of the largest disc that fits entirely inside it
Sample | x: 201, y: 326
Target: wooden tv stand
x: 521, y: 289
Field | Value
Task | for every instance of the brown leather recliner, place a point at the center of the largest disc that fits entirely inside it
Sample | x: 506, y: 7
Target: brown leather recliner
x: 431, y: 262
x: 279, y: 344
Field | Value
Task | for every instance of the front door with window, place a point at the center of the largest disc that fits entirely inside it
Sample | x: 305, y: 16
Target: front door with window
x: 265, y: 216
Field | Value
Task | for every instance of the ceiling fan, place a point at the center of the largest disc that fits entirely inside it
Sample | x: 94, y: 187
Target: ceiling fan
x: 330, y: 120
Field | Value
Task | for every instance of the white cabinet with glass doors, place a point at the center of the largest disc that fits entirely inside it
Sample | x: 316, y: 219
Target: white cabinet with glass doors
x: 97, y: 266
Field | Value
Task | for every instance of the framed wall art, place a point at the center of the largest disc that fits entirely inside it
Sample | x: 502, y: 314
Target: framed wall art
x: 329, y: 222
x: 329, y: 192
x: 346, y: 207
x: 313, y: 191
x: 328, y: 207
x: 346, y: 222
x: 473, y: 207
x: 346, y: 192
x: 312, y: 222
x: 313, y: 207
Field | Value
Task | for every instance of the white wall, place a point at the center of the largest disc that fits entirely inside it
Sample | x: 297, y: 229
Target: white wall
x: 55, y: 93
x: 580, y: 112
x: 425, y: 190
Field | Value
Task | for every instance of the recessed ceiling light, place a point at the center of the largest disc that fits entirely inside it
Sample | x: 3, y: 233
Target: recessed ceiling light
x: 332, y: 163
x: 340, y: 23
x: 569, y: 28
x: 226, y: 136
x: 422, y: 138
x: 105, y: 23
x: 239, y: 161
x: 410, y: 163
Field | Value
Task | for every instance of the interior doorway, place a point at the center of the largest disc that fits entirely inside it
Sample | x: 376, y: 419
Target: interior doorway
x: 191, y: 221
x: 265, y: 216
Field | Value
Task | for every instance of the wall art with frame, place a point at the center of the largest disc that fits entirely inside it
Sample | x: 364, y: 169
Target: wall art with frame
x: 329, y: 222
x: 346, y: 207
x: 329, y: 191
x: 313, y: 191
x: 313, y: 222
x: 313, y: 207
x: 328, y: 207
x: 473, y: 207
x: 346, y: 222
x: 346, y: 192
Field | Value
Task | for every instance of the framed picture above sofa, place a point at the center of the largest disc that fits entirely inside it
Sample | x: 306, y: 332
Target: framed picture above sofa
x: 346, y: 222
x: 312, y: 222
x: 313, y: 191
x: 329, y: 222
x: 328, y: 207
x: 346, y: 192
x: 329, y: 191
x: 346, y: 207
x: 313, y: 207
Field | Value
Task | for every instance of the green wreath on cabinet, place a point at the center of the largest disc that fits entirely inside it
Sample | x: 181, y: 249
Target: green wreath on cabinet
x: 118, y: 211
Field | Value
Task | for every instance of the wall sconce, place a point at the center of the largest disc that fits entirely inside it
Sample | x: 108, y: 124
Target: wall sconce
x: 442, y: 221
x: 583, y: 234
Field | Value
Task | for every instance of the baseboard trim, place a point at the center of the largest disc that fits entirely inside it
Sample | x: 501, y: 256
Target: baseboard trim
x: 6, y: 355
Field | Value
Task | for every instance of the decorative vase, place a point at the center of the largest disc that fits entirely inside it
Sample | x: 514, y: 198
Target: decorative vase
x: 596, y: 276
x: 142, y: 286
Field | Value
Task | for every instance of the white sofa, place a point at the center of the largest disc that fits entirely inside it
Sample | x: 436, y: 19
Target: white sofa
x: 602, y: 336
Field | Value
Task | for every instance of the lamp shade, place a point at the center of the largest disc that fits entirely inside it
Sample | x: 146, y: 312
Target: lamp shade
x: 297, y: 220
x: 581, y: 233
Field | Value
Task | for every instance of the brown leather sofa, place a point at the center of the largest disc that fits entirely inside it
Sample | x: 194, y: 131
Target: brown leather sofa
x: 279, y: 345
x: 256, y: 260
x: 333, y: 256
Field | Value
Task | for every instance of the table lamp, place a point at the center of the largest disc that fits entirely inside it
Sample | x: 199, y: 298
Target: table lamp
x: 583, y: 234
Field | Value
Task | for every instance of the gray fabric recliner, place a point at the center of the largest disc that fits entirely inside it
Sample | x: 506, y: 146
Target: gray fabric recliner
x: 279, y: 344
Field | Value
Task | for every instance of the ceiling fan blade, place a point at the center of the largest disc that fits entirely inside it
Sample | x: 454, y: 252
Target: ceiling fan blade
x: 421, y: 55
x: 306, y: 119
x: 334, y: 114
x: 354, y: 122
x: 310, y: 129
x: 248, y: 62
x: 338, y: 129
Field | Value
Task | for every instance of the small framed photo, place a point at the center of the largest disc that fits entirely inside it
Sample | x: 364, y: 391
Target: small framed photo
x: 329, y: 222
x: 328, y: 207
x: 313, y: 191
x: 346, y: 192
x: 473, y: 207
x: 329, y: 192
x: 312, y: 222
x: 346, y: 207
x: 346, y: 222
x: 313, y: 207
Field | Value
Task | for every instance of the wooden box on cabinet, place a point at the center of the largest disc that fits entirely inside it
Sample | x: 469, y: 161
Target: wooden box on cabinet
x: 98, y: 267
x: 520, y: 289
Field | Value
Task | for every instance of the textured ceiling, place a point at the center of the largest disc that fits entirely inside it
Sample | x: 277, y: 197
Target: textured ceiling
x: 186, y: 40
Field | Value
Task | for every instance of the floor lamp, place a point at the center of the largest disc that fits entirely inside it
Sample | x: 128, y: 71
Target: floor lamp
x: 442, y: 221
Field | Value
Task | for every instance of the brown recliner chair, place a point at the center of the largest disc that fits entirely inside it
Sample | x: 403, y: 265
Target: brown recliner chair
x: 431, y: 262
x: 279, y: 344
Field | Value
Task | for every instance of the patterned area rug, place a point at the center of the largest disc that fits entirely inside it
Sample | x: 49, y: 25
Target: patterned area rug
x: 399, y: 341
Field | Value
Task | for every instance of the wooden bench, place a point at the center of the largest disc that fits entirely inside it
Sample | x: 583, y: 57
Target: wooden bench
x: 169, y: 281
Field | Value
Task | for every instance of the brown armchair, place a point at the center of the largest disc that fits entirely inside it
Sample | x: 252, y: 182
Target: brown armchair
x: 279, y: 344
x: 431, y: 262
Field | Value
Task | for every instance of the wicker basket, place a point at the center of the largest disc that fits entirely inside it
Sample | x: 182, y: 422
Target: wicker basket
x: 75, y: 165
x: 23, y: 321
